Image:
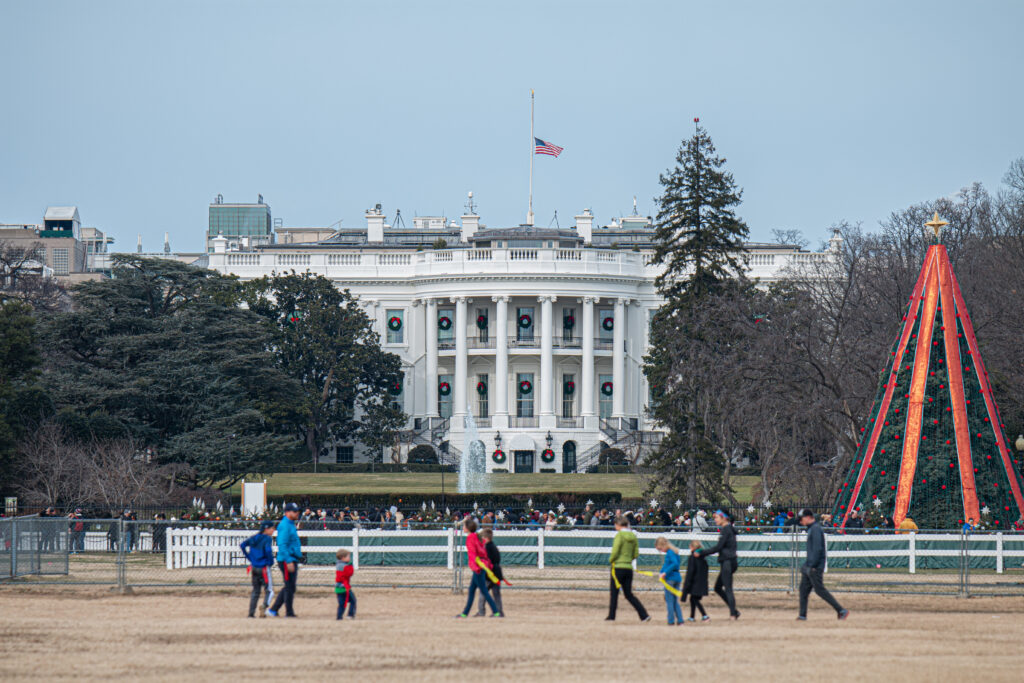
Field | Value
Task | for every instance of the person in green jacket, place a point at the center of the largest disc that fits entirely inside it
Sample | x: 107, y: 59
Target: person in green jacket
x: 625, y: 549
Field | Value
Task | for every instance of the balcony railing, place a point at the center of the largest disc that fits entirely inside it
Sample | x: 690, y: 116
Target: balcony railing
x: 567, y: 342
x: 517, y: 343
x: 477, y: 343
x: 603, y: 343
x: 523, y: 422
x: 569, y: 422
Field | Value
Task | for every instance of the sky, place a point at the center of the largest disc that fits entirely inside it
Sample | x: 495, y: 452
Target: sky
x: 140, y: 113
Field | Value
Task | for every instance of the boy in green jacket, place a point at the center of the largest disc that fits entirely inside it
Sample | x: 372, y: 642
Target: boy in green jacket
x: 625, y: 549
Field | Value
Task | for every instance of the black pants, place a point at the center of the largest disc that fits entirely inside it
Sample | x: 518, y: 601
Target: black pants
x: 260, y: 582
x: 351, y: 599
x: 723, y: 586
x: 814, y: 579
x: 695, y: 605
x: 287, y: 594
x: 625, y: 577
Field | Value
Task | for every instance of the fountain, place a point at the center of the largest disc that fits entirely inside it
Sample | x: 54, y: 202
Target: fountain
x: 472, y: 463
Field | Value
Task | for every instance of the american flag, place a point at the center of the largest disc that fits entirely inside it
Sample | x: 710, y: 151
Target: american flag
x: 541, y: 147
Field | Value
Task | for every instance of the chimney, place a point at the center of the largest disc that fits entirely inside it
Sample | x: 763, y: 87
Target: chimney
x: 220, y: 244
x: 375, y: 225
x: 470, y: 224
x: 167, y: 243
x: 585, y: 226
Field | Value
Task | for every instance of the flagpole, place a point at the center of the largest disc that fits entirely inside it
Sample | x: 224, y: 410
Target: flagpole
x: 529, y: 214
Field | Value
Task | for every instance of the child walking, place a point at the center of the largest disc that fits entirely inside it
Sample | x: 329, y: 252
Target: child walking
x: 695, y: 584
x: 477, y: 557
x: 494, y: 555
x: 343, y: 571
x: 670, y: 574
x: 259, y: 551
x: 625, y: 549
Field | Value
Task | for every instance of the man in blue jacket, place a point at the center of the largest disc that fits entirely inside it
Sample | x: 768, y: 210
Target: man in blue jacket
x: 813, y: 570
x: 289, y: 554
x: 259, y: 551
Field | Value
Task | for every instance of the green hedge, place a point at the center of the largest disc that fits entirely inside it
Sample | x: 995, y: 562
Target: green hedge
x: 571, y: 499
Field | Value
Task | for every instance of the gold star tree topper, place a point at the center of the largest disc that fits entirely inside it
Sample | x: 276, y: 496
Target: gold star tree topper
x: 937, y: 224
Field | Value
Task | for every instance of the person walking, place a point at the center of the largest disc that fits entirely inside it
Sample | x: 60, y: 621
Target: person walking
x: 727, y: 563
x: 813, y: 569
x: 289, y: 554
x: 625, y: 549
x: 259, y: 551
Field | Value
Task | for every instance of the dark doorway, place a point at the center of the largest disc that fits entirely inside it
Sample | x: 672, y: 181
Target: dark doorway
x: 524, y: 462
x: 568, y: 457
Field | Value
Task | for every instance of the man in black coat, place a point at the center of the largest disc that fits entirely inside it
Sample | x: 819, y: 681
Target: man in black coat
x: 727, y: 560
x: 813, y: 570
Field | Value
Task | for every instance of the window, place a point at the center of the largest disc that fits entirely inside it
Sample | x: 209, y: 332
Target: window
x: 604, y: 407
x: 568, y: 323
x: 568, y: 457
x: 483, y: 391
x: 60, y: 261
x: 602, y: 315
x: 568, y: 395
x: 345, y: 454
x: 444, y: 335
x: 524, y: 324
x: 390, y: 316
x: 397, y: 392
x: 524, y: 399
x: 482, y: 327
x: 444, y: 403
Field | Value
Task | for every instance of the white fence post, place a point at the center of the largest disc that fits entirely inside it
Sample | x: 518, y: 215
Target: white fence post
x: 540, y: 548
x: 451, y: 548
x: 355, y: 547
x: 912, y: 552
x: 999, y: 552
x: 167, y: 548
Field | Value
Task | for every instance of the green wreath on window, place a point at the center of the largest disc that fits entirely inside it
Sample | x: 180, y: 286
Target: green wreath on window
x: 498, y: 456
x: 525, y: 320
x: 607, y: 388
x: 395, y: 323
x: 444, y: 322
x: 481, y: 388
x: 568, y: 387
x: 395, y: 388
x: 444, y: 388
x: 608, y: 323
x: 547, y: 455
x: 481, y: 321
x: 569, y: 322
x: 525, y: 387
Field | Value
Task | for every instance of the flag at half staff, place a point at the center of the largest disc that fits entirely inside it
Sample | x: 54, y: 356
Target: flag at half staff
x: 541, y: 147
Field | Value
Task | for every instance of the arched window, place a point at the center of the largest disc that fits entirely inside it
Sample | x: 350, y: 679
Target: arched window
x: 568, y: 457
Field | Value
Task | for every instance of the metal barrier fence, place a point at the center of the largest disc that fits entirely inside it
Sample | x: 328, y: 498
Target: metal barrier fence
x: 125, y: 554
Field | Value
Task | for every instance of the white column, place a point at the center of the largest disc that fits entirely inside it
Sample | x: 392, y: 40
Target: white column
x: 431, y: 313
x: 619, y: 360
x: 546, y: 359
x: 461, y: 361
x: 587, y: 366
x: 500, y: 383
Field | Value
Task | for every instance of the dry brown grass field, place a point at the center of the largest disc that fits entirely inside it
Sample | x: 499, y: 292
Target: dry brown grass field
x: 76, y: 632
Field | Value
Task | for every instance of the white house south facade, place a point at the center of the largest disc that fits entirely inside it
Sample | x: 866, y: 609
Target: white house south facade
x: 538, y: 333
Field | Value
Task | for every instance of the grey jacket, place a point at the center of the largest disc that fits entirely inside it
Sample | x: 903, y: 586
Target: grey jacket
x: 815, y: 547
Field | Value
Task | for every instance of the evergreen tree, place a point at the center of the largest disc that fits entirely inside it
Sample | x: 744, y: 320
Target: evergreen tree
x: 20, y: 395
x: 162, y: 352
x: 325, y: 341
x: 697, y: 235
x: 699, y: 240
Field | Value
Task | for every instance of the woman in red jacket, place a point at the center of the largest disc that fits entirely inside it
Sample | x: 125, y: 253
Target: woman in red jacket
x: 477, y: 557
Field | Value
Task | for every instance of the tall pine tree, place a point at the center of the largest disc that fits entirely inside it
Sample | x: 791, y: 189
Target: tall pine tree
x: 699, y: 240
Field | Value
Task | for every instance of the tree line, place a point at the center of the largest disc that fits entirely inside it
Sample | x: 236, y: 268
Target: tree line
x: 786, y: 373
x: 183, y: 377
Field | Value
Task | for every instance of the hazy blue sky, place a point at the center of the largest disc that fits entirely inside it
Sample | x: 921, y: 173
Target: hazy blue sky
x: 140, y: 113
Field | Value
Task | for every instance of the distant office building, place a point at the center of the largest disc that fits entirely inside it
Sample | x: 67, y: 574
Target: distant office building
x: 244, y: 225
x: 58, y: 242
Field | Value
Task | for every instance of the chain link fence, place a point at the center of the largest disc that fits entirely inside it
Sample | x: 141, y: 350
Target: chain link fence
x: 176, y: 554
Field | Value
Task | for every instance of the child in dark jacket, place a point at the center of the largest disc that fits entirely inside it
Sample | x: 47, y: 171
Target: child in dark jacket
x: 494, y: 555
x: 695, y: 584
x: 343, y: 572
x: 259, y: 551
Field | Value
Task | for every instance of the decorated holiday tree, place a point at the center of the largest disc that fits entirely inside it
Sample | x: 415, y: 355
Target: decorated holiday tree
x: 934, y: 448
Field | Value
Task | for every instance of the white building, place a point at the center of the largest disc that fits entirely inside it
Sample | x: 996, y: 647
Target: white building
x: 539, y: 333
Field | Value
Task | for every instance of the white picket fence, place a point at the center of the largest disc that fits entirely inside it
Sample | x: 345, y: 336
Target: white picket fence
x: 211, y: 547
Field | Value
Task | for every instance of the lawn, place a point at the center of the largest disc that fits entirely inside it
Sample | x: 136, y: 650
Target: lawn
x: 629, y: 485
